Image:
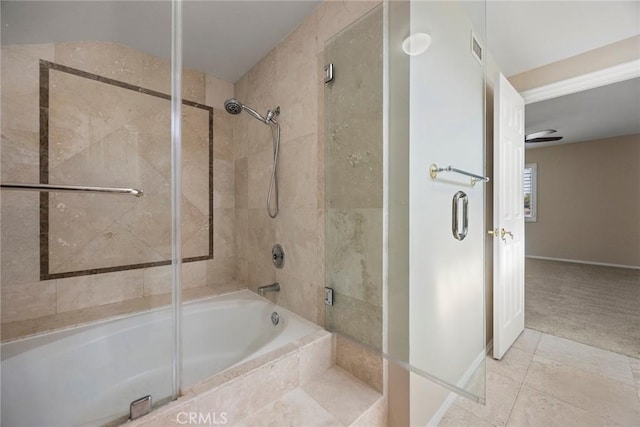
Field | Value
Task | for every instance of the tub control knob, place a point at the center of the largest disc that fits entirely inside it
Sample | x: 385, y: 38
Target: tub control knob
x: 277, y: 255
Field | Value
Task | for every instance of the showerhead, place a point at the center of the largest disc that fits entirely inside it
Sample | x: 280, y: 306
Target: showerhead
x: 233, y: 106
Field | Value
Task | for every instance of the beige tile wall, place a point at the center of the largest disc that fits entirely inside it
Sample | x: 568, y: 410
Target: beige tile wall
x: 288, y: 76
x: 23, y: 295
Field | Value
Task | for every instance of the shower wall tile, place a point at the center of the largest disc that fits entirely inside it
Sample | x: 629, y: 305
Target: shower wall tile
x: 297, y: 172
x: 261, y: 236
x: 217, y: 92
x: 223, y: 189
x: 354, y: 252
x: 334, y: 16
x: 224, y: 229
x: 220, y: 271
x: 75, y: 293
x: 259, y: 167
x: 143, y: 228
x: 28, y: 300
x: 223, y: 134
x: 360, y: 362
x: 241, y: 183
x: 299, y: 295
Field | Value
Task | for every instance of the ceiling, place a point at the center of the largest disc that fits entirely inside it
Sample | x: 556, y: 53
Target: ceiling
x: 221, y: 38
x: 226, y: 38
x: 523, y: 35
x: 598, y: 113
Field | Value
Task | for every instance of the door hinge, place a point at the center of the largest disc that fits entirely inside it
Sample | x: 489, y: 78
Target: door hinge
x: 328, y: 296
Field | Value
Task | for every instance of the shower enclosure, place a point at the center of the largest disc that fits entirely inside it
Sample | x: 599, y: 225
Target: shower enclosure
x: 90, y: 125
x: 404, y: 232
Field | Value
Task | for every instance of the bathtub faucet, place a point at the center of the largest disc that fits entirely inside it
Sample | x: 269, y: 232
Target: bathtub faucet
x: 274, y: 287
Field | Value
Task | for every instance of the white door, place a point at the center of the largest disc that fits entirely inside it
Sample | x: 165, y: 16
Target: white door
x: 508, y: 217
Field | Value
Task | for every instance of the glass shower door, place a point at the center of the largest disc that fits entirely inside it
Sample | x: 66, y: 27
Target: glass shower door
x: 405, y: 248
x: 86, y: 275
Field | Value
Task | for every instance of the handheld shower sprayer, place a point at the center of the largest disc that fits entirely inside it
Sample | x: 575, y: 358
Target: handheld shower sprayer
x: 233, y: 106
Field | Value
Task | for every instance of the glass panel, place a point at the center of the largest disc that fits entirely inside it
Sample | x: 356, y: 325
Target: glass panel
x: 395, y: 249
x: 86, y: 277
x: 354, y: 161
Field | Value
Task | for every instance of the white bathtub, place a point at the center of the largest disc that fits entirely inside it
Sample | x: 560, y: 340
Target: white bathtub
x: 88, y: 375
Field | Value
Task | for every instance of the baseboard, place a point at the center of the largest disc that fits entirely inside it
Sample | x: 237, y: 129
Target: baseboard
x: 451, y: 397
x: 578, y: 261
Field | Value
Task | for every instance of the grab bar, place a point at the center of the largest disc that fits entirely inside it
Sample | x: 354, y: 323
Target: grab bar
x: 71, y: 189
x: 434, y: 170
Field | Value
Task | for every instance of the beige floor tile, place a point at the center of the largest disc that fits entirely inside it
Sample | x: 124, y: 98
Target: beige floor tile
x: 513, y: 365
x: 501, y: 394
x: 535, y: 409
x: 528, y: 340
x: 598, y: 395
x: 458, y: 417
x: 342, y: 394
x: 295, y: 408
x: 582, y: 356
x: 635, y: 370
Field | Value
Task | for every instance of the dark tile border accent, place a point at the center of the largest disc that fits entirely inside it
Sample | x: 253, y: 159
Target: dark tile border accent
x: 45, y: 66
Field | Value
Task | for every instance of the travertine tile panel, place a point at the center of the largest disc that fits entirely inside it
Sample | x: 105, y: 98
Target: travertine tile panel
x: 342, y: 394
x: 259, y: 169
x: 297, y: 173
x: 533, y: 409
x: 359, y: 362
x: 458, y: 417
x: 85, y: 291
x: 224, y: 233
x: 298, y: 295
x: 354, y: 253
x: 220, y: 271
x: 194, y: 274
x: 316, y: 358
x: 581, y: 356
x: 261, y: 236
x: 241, y: 182
x: 28, y: 300
x: 295, y: 408
x: 501, y: 394
x: 105, y: 59
x: 513, y: 365
x: 635, y: 369
x: 20, y: 237
x: 245, y: 395
x: 356, y: 319
x: 218, y: 91
x: 157, y: 280
x: 334, y: 16
x: 528, y: 340
x: 615, y: 401
x: 299, y: 231
x: 222, y: 133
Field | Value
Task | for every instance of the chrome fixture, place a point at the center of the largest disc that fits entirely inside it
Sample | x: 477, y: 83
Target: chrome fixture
x: 233, y: 106
x: 70, y: 189
x: 328, y: 72
x: 328, y: 296
x: 434, y: 170
x: 277, y: 255
x: 140, y: 407
x: 455, y: 221
x: 274, y: 287
x: 275, y: 318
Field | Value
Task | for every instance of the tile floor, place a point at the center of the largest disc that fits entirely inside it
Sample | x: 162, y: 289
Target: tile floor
x: 547, y: 381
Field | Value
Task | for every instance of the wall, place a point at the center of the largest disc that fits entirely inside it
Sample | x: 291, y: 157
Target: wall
x: 588, y: 201
x: 597, y: 59
x: 289, y: 76
x: 115, y: 135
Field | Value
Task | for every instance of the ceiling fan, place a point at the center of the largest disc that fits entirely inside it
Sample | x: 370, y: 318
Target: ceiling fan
x: 541, y: 136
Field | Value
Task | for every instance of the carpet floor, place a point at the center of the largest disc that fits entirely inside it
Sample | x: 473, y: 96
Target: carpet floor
x: 594, y: 305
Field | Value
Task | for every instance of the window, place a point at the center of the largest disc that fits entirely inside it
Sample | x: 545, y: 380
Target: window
x: 529, y: 186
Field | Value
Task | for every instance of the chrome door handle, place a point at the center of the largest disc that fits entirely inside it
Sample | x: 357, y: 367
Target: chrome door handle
x: 455, y: 221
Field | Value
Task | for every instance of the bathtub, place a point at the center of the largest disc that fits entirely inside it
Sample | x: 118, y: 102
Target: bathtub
x: 88, y: 375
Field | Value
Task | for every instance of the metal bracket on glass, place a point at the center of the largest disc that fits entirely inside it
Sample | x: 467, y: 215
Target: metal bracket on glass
x: 434, y: 170
x: 328, y: 73
x: 328, y: 296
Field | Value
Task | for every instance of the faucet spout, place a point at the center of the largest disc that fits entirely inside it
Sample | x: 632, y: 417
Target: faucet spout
x: 274, y: 287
